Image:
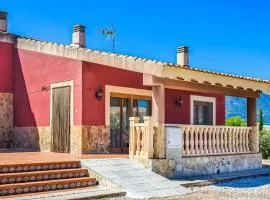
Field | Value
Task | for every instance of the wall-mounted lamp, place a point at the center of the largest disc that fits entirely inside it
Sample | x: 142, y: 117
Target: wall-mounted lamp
x: 99, y: 93
x: 178, y: 102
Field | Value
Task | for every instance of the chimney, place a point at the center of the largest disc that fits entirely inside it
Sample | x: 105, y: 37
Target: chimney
x: 78, y: 36
x: 182, y: 56
x: 3, y: 21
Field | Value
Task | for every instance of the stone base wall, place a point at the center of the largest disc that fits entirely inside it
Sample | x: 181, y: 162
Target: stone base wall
x: 203, y: 165
x: 5, y: 140
x: 83, y: 138
x: 36, y: 138
x: 6, y: 119
x: 95, y: 139
x: 206, y: 165
x: 159, y: 140
x: 163, y: 167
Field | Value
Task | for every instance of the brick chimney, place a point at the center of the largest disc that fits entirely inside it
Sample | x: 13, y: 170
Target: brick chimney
x: 182, y: 56
x: 3, y: 21
x: 78, y: 36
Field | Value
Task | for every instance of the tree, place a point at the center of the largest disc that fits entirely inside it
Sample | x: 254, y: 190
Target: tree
x: 261, y: 120
x: 235, y: 121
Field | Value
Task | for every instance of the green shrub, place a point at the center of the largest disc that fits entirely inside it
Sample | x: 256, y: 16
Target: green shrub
x: 235, y: 121
x: 265, y: 143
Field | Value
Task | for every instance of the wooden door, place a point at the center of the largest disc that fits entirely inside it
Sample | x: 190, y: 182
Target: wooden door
x: 60, y: 127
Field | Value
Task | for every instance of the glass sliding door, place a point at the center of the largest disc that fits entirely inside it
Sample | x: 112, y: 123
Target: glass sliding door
x: 121, y: 108
x: 115, y: 123
x: 141, y: 108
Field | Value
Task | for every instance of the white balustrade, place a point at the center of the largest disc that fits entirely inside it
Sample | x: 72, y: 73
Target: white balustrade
x: 214, y: 140
x: 141, y: 138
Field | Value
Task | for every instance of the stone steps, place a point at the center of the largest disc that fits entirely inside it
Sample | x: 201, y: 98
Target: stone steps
x: 32, y: 177
x: 22, y: 177
x: 32, y: 166
x: 42, y: 186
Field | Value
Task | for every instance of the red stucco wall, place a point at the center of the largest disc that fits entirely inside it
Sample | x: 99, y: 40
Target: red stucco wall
x: 6, y: 67
x: 95, y: 76
x: 34, y: 70
x: 175, y: 115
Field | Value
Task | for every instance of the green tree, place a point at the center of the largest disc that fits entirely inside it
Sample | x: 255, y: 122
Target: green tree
x: 235, y: 121
x: 261, y: 120
x: 265, y: 144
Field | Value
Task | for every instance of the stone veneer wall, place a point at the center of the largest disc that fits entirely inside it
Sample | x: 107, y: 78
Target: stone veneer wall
x: 202, y: 165
x: 95, y: 139
x: 83, y: 139
x: 205, y: 165
x: 159, y: 141
x: 31, y: 138
x: 6, y: 119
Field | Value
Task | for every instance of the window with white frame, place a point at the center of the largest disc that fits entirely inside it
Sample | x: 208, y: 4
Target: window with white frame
x: 202, y: 110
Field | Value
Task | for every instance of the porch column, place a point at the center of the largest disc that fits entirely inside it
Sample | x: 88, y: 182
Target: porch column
x: 251, y: 121
x: 158, y: 104
x: 251, y: 111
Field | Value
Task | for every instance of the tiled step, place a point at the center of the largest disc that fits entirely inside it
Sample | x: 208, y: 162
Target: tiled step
x: 42, y: 186
x: 29, y: 167
x: 22, y: 177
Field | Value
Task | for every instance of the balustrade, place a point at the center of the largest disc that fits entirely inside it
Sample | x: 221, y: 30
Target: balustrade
x: 203, y: 140
x: 141, y: 138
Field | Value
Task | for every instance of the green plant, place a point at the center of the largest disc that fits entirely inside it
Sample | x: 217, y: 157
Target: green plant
x: 265, y: 143
x: 261, y: 120
x: 235, y: 121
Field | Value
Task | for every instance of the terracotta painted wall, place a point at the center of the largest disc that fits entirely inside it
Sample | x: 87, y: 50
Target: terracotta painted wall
x: 95, y: 76
x: 6, y: 67
x: 174, y: 115
x: 34, y: 70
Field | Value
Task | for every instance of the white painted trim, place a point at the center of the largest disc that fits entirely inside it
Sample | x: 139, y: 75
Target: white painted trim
x: 63, y: 84
x: 204, y: 99
x: 121, y: 90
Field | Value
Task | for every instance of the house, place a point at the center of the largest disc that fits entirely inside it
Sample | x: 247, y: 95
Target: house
x: 71, y: 99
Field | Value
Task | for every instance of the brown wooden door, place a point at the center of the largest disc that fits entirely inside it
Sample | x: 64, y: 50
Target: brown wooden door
x: 60, y: 119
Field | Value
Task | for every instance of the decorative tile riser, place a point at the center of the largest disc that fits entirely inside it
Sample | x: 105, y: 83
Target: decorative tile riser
x: 46, y: 177
x: 38, y: 167
x: 45, y: 187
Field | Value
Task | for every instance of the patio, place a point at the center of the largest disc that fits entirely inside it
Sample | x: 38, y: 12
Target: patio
x: 46, y: 157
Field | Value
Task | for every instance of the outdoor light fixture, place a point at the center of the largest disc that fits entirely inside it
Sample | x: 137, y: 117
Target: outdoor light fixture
x: 99, y: 93
x: 178, y: 102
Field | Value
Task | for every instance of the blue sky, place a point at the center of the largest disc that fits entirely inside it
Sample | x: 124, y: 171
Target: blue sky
x: 223, y: 35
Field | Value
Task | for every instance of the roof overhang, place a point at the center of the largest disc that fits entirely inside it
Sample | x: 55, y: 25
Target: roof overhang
x: 215, y: 80
x: 197, y: 86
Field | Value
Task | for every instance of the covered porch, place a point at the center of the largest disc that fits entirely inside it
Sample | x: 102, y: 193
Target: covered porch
x: 204, y: 145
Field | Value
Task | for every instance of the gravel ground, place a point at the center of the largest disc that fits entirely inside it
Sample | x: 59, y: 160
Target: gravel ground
x: 242, y: 189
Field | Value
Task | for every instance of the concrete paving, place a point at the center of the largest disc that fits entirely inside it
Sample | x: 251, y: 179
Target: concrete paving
x: 134, y: 179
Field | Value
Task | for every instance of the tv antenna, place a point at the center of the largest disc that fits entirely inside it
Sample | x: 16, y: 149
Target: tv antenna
x: 110, y: 34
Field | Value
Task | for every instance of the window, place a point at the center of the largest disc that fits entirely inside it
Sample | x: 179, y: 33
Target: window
x: 203, y: 113
x: 203, y: 110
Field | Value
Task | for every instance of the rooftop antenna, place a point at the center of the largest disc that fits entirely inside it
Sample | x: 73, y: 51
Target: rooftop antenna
x: 109, y: 33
